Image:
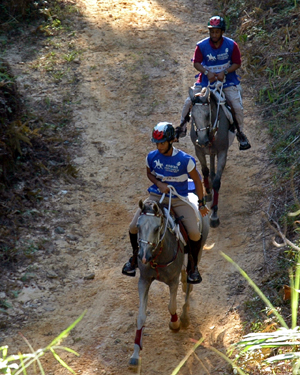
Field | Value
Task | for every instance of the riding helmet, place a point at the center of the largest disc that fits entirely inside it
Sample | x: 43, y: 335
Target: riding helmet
x: 216, y: 22
x: 162, y: 132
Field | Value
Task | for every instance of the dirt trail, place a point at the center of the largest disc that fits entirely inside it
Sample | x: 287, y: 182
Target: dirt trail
x: 135, y: 72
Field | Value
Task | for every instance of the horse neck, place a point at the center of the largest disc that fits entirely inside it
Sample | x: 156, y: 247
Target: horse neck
x: 168, y: 246
x: 223, y: 126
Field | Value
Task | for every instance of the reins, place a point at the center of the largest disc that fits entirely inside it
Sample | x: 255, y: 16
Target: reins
x: 218, y: 85
x: 153, y: 262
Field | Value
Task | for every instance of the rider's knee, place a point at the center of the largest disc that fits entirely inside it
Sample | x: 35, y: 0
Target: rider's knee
x: 133, y: 229
x: 194, y: 236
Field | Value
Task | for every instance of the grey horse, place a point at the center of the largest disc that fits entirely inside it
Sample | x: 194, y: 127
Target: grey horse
x: 161, y: 257
x: 211, y: 135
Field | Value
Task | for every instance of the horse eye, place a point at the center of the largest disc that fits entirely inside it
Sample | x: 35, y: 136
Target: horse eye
x: 156, y: 229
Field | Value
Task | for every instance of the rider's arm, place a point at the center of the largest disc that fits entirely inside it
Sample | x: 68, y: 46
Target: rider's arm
x: 220, y: 76
x: 210, y: 76
x: 236, y: 62
x: 198, y: 58
x: 194, y: 174
x: 163, y: 187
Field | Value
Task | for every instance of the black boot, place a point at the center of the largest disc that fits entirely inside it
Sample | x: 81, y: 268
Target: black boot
x: 243, y: 141
x: 130, y: 266
x: 193, y: 275
x: 180, y: 130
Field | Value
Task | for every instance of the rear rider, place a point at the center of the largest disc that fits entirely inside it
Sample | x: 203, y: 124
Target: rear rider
x: 218, y: 58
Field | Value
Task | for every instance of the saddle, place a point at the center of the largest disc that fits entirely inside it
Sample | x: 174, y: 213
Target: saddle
x: 227, y: 108
x: 175, y: 225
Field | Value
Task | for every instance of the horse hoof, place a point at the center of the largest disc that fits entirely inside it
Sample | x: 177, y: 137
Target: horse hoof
x: 214, y: 223
x: 185, y: 322
x: 174, y: 326
x: 134, y: 362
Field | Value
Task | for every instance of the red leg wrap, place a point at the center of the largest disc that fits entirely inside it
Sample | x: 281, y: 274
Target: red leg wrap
x: 174, y: 318
x: 216, y: 198
x: 139, y: 337
x: 206, y: 182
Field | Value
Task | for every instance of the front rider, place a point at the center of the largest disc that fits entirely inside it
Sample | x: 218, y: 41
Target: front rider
x: 170, y: 166
x: 217, y: 58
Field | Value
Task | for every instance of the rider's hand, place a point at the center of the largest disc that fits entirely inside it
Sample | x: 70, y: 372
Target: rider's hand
x: 211, y: 77
x: 204, y: 210
x: 163, y: 187
x: 220, y: 76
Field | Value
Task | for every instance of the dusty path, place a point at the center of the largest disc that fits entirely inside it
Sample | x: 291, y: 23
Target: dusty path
x: 135, y: 72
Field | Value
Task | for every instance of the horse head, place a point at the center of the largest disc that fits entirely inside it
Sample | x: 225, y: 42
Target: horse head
x: 201, y: 116
x: 150, y: 227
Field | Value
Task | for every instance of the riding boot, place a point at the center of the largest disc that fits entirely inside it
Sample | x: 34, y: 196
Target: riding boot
x: 243, y: 141
x: 193, y: 275
x: 180, y: 131
x: 130, y: 266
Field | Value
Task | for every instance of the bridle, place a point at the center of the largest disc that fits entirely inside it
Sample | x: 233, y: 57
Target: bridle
x: 209, y: 128
x: 159, y: 246
x: 196, y: 101
x: 153, y: 244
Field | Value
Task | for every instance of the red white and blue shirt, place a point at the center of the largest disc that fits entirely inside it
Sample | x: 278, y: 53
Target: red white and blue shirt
x: 173, y: 170
x: 218, y: 59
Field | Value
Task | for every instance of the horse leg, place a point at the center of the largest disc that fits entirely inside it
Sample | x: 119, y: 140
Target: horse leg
x: 214, y: 219
x: 174, y: 323
x: 187, y: 288
x: 143, y: 287
x: 184, y: 317
x: 205, y: 171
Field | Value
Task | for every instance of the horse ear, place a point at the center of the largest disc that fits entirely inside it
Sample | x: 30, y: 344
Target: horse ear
x: 141, y: 204
x: 191, y: 92
x: 155, y: 208
x: 207, y: 94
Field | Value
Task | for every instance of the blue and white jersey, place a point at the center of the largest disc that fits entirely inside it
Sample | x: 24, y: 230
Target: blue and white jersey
x: 218, y: 59
x: 173, y: 170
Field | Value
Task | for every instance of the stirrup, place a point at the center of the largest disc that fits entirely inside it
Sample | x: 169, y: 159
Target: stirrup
x: 129, y: 268
x: 243, y: 141
x: 194, y: 277
x: 244, y: 146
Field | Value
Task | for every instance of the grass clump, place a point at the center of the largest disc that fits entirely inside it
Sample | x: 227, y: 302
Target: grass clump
x: 18, y: 364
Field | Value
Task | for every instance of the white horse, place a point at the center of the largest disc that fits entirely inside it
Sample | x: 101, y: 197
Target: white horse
x: 211, y: 135
x: 161, y: 257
